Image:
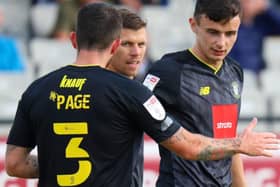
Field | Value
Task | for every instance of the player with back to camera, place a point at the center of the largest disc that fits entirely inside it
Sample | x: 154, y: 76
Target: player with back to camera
x: 93, y: 119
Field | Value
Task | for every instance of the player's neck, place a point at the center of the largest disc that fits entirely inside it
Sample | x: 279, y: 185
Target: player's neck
x: 112, y: 68
x: 98, y: 58
x: 215, y: 64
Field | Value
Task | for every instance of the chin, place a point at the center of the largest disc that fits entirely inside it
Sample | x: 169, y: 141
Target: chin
x: 218, y: 58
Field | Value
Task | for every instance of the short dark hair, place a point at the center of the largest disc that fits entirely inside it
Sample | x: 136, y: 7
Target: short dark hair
x: 131, y: 20
x: 98, y: 25
x: 217, y: 10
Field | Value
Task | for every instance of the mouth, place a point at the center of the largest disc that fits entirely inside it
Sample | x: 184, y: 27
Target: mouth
x: 219, y: 52
x: 133, y: 63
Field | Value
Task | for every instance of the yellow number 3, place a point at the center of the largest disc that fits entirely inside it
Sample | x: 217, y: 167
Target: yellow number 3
x: 74, y: 151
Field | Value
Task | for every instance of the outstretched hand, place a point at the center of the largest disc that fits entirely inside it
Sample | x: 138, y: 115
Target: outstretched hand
x: 258, y: 143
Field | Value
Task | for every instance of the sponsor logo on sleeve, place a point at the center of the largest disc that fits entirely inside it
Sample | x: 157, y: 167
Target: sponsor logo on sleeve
x: 155, y: 109
x: 151, y: 81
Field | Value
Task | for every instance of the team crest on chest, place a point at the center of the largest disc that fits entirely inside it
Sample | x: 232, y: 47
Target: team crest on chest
x: 235, y: 89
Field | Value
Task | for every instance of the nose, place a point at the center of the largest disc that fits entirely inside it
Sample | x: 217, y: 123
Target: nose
x: 221, y: 41
x: 135, y: 50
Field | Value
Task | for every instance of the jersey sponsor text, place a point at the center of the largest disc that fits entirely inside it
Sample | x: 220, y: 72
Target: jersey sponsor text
x: 72, y: 82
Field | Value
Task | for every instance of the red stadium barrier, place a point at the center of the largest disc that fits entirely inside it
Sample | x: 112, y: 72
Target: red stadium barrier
x: 259, y: 171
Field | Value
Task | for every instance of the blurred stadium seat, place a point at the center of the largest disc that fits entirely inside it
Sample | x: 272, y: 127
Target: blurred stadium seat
x: 275, y: 112
x: 250, y: 82
x: 12, y: 86
x: 253, y: 104
x: 276, y: 106
x: 269, y: 81
x: 43, y: 18
x: 168, y: 27
x: 271, y: 52
x: 16, y: 18
x: 50, y: 54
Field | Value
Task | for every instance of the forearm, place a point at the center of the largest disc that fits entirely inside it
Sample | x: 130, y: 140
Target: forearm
x: 215, y: 149
x: 198, y: 147
x: 31, y: 168
x: 19, y: 162
x: 237, y: 172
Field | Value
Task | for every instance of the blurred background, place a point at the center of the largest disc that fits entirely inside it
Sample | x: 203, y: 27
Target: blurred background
x: 34, y: 41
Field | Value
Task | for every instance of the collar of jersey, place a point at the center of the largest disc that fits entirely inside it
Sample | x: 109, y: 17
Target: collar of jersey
x: 84, y: 65
x: 205, y: 63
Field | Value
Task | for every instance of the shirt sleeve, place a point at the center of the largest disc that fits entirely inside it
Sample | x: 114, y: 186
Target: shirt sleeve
x: 167, y: 85
x: 21, y: 133
x: 149, y: 115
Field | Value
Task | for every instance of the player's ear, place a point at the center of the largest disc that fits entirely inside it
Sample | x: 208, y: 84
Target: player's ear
x: 73, y: 38
x: 193, y: 24
x: 115, y: 45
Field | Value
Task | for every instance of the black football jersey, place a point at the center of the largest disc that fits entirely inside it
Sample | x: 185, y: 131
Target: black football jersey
x: 203, y: 100
x: 88, y: 124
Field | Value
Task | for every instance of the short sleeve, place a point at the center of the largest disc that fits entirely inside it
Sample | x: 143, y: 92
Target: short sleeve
x: 149, y: 115
x: 21, y: 133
